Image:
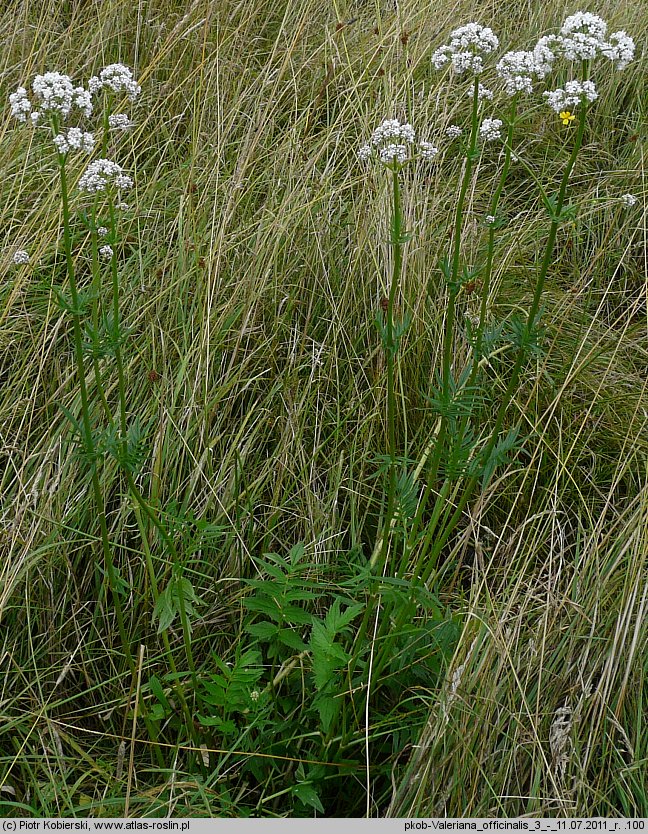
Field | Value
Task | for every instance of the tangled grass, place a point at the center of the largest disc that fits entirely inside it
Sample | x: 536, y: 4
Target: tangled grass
x: 251, y: 270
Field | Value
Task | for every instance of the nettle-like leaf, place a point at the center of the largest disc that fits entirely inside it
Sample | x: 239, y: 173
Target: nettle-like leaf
x: 276, y: 616
x: 168, y: 605
x: 230, y: 689
x: 327, y: 655
x: 328, y: 707
x: 306, y: 788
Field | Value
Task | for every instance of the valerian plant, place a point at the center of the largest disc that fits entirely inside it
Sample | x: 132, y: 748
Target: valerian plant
x: 462, y: 456
x: 98, y: 332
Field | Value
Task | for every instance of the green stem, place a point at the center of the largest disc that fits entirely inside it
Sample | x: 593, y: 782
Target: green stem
x: 133, y: 488
x: 448, y: 337
x: 430, y: 563
x: 96, y: 293
x: 85, y: 410
x: 381, y: 548
x: 397, y: 264
x: 426, y: 563
x: 488, y: 270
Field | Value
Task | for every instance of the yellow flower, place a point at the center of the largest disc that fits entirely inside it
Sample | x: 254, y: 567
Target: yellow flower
x: 566, y: 117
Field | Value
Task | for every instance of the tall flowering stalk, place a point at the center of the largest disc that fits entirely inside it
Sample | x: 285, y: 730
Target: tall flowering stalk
x: 582, y: 38
x: 55, y: 100
x: 103, y: 180
x: 394, y: 146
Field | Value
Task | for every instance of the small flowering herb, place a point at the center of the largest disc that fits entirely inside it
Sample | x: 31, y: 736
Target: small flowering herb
x: 74, y: 139
x: 102, y: 174
x: 395, y: 153
x: 364, y: 152
x: 55, y: 94
x: 491, y: 130
x: 428, y: 150
x: 483, y: 93
x: 466, y: 47
x: 628, y: 200
x: 20, y: 104
x: 453, y: 132
x: 518, y: 70
x: 119, y: 121
x: 21, y: 256
x: 544, y: 54
x: 566, y: 117
x: 574, y: 93
x: 118, y: 78
x: 106, y: 252
x: 102, y: 231
x: 620, y: 48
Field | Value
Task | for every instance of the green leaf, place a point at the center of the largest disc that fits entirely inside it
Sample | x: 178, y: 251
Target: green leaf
x: 291, y: 639
x: 156, y: 689
x: 328, y: 708
x: 296, y: 553
x: 165, y: 608
x: 76, y: 426
x: 264, y: 606
x: 293, y: 614
x: 307, y: 794
x: 264, y: 631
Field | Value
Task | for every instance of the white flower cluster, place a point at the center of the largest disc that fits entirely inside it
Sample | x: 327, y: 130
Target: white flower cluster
x: 119, y: 121
x: 489, y: 220
x: 106, y: 252
x: 490, y: 130
x: 518, y: 70
x: 585, y: 23
x: 544, y: 54
x: 453, y: 132
x: 464, y: 52
x: 393, y: 129
x: 620, y: 48
x: 102, y: 173
x: 583, y: 36
x: 628, y: 200
x: 574, y: 93
x: 393, y: 152
x: 20, y: 104
x: 74, y: 139
x: 483, y: 93
x: 118, y: 78
x: 20, y: 256
x: 390, y: 140
x: 102, y: 231
x: 428, y: 150
x: 54, y: 93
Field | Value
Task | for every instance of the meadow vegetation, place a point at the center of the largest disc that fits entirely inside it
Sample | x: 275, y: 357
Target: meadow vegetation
x: 323, y: 480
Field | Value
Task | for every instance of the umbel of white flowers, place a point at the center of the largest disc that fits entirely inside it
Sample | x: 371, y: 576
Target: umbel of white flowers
x: 53, y: 93
x: 466, y: 47
x: 103, y: 174
x: 392, y: 142
x: 583, y: 36
x: 118, y: 78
